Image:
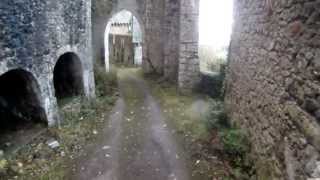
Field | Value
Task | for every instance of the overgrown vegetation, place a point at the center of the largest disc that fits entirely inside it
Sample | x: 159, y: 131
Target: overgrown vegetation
x: 230, y: 142
x: 211, y: 83
x: 213, y: 70
x: 218, y: 150
x: 211, y: 59
x: 83, y: 119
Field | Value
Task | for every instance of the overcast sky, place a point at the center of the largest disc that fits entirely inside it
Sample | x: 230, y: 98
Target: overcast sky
x: 215, y: 22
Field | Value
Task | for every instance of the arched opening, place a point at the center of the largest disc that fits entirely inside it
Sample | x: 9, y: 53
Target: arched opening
x: 68, y: 76
x: 20, y: 107
x: 123, y: 41
x: 215, y: 27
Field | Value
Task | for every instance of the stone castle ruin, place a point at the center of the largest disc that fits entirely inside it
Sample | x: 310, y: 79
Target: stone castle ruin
x: 48, y: 48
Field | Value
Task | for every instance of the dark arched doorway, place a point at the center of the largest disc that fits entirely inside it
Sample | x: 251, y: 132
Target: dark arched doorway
x: 68, y: 76
x: 20, y: 106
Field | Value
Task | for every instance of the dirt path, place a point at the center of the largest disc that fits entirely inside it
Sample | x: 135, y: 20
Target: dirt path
x: 136, y: 144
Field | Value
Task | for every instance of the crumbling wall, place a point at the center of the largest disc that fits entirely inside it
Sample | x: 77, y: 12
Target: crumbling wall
x: 273, y: 84
x: 35, y: 33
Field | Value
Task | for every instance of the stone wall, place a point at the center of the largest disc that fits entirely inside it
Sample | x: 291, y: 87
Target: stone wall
x: 35, y: 33
x: 273, y: 84
x: 167, y: 49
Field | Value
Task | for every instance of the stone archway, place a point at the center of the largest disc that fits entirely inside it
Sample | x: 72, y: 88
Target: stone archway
x: 68, y: 76
x: 20, y: 106
x: 138, y: 47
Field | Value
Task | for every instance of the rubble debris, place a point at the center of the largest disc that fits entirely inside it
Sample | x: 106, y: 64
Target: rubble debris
x: 53, y: 144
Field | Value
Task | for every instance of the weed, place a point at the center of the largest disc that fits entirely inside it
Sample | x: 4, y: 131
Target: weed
x: 235, y: 142
x: 217, y: 119
x: 234, y: 145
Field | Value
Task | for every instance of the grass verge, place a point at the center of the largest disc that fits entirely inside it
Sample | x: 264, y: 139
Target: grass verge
x: 214, y: 149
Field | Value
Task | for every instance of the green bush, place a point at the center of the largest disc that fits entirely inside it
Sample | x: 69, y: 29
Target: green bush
x: 235, y: 142
x: 217, y: 118
x: 211, y: 59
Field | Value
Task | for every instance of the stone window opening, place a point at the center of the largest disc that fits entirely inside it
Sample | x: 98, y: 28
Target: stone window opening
x: 68, y: 76
x: 21, y: 112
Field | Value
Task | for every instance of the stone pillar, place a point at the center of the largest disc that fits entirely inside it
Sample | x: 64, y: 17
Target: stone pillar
x: 171, y: 32
x: 48, y: 99
x: 189, y: 69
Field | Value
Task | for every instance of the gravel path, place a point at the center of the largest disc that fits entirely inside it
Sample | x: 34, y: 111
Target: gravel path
x: 136, y: 144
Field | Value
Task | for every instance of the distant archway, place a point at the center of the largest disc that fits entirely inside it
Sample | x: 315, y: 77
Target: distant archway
x: 68, y: 76
x: 137, y: 40
x: 20, y: 105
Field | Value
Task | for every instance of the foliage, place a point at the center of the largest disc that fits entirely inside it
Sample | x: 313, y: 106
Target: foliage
x: 217, y: 118
x: 106, y: 82
x: 234, y: 144
x: 211, y: 59
x: 212, y: 83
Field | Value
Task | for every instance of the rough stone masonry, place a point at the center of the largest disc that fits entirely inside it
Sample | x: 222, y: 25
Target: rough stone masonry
x: 273, y: 84
x: 35, y: 33
x: 170, y: 35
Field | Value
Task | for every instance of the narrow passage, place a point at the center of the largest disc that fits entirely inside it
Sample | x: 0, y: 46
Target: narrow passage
x: 136, y: 144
